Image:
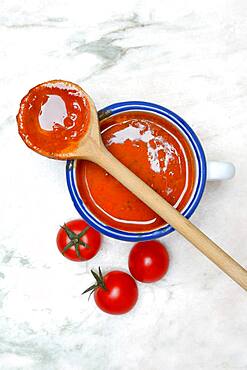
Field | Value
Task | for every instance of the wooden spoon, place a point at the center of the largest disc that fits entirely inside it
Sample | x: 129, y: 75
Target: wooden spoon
x: 91, y: 147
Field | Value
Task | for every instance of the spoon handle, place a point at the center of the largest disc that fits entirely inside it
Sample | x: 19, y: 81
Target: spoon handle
x: 205, y: 245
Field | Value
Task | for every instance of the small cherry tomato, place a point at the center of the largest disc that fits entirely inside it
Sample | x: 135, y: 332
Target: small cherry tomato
x: 78, y: 241
x: 148, y: 261
x: 115, y: 293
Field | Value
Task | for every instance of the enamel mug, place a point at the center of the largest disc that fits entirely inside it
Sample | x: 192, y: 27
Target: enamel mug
x: 205, y: 171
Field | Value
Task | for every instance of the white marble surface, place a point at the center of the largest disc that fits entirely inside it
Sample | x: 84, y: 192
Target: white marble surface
x: 187, y: 55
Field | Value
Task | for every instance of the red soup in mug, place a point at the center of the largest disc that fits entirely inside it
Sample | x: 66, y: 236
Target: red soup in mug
x: 156, y: 151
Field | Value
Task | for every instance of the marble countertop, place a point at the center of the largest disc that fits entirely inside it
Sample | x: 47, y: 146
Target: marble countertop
x: 188, y: 56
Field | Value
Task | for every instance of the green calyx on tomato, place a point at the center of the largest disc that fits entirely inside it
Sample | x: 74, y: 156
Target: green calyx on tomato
x: 75, y: 240
x: 99, y: 283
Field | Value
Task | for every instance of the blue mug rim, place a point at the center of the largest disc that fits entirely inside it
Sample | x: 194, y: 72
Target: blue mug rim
x: 190, y: 208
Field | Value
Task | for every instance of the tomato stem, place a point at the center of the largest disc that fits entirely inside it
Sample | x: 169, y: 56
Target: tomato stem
x: 75, y: 239
x: 99, y: 283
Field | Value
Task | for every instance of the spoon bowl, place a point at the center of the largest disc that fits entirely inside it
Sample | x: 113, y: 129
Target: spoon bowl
x: 53, y: 126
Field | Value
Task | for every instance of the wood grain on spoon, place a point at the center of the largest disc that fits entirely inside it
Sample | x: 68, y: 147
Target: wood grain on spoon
x: 89, y: 146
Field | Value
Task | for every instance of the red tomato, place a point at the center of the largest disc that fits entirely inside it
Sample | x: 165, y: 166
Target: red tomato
x: 148, y: 261
x: 115, y: 293
x: 78, y: 241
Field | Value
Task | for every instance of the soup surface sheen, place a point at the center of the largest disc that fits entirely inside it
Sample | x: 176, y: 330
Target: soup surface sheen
x: 156, y: 151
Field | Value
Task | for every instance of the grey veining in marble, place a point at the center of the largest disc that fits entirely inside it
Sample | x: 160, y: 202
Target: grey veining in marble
x: 189, y: 56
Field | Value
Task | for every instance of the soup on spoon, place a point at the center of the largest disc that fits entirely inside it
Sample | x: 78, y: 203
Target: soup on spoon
x: 53, y: 118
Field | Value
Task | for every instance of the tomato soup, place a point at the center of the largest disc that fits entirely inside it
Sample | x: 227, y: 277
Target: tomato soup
x: 53, y: 117
x: 156, y: 151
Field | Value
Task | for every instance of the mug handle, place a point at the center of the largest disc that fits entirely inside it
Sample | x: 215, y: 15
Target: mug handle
x: 217, y: 170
